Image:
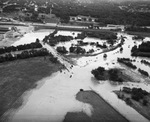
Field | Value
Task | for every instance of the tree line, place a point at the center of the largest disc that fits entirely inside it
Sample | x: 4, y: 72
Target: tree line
x: 24, y: 55
x: 142, y: 50
x: 9, y: 49
x: 127, y: 62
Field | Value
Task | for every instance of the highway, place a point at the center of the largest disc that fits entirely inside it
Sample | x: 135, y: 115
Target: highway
x: 39, y: 26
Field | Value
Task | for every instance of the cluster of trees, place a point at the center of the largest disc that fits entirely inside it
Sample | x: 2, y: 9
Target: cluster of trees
x: 101, y: 46
x: 77, y: 50
x: 9, y: 49
x: 127, y: 62
x: 143, y: 72
x: 106, y: 12
x: 81, y: 35
x: 53, y: 59
x: 112, y: 74
x: 99, y: 73
x: 53, y: 40
x: 62, y: 50
x: 136, y: 93
x: 24, y: 55
x: 81, y: 43
x: 143, y: 50
x: 100, y: 35
x: 145, y: 62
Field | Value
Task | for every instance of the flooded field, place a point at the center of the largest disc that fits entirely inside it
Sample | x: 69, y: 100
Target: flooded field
x: 51, y: 101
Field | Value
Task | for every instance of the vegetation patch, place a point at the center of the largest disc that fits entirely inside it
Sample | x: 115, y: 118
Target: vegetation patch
x: 145, y: 62
x: 112, y: 74
x: 127, y: 62
x: 136, y: 98
x: 142, y: 50
x: 52, y: 39
x: 109, y: 36
x: 143, y: 72
x: 9, y: 49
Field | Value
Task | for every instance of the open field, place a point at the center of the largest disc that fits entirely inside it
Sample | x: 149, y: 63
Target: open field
x: 20, y: 76
x: 102, y: 111
x: 77, y: 117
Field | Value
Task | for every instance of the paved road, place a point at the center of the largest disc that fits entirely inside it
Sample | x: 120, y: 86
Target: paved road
x: 54, y: 26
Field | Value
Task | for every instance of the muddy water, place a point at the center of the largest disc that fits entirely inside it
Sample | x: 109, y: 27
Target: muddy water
x: 52, y: 100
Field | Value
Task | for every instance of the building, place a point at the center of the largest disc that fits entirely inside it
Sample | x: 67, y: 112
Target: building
x: 114, y: 27
x: 83, y: 19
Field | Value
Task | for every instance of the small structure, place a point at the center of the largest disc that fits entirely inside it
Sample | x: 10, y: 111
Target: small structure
x: 82, y: 19
x: 114, y: 27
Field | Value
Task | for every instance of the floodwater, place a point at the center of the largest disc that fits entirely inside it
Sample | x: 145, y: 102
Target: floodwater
x: 56, y: 95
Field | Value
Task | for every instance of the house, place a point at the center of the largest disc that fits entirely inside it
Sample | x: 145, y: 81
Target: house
x: 83, y: 19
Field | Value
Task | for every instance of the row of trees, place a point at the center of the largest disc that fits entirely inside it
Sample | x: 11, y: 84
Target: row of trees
x: 145, y: 62
x: 100, y: 35
x: 127, y: 62
x: 24, y: 55
x: 143, y: 72
x: 9, y: 49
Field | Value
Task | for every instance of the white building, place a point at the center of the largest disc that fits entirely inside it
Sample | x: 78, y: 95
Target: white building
x: 83, y: 19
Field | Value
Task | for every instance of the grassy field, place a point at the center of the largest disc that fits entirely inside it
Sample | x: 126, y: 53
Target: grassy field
x: 77, y: 117
x: 103, y: 112
x: 19, y: 76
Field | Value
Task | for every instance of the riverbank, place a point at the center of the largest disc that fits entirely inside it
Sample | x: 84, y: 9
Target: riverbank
x: 19, y: 76
x: 102, y: 111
